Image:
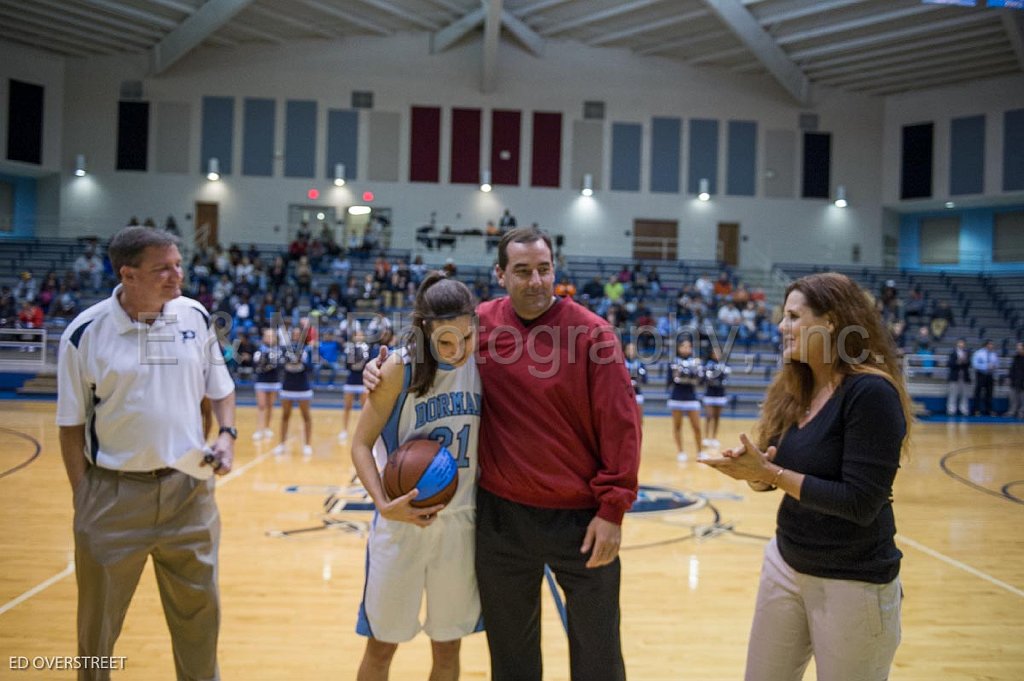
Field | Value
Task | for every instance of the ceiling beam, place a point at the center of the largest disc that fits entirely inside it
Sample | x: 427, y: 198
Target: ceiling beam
x: 892, y: 36
x: 523, y: 33
x: 74, y: 35
x: 492, y: 36
x: 37, y: 39
x: 539, y: 6
x: 649, y: 26
x: 351, y: 18
x: 118, y: 8
x: 394, y: 10
x: 853, y: 24
x: 591, y: 17
x: 764, y: 47
x: 922, y: 74
x: 1013, y: 22
x: 908, y: 46
x: 913, y: 55
x: 953, y: 58
x: 256, y: 32
x: 56, y: 18
x: 715, y: 56
x: 943, y: 77
x: 192, y: 32
x: 175, y: 5
x: 453, y: 32
x: 450, y: 5
x: 684, y: 41
x: 801, y: 9
x: 93, y: 18
x: 292, y: 21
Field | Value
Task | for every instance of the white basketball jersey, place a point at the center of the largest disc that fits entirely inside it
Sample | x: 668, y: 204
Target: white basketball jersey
x: 448, y: 413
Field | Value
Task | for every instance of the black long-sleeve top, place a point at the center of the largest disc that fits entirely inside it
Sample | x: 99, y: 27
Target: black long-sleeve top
x: 843, y: 526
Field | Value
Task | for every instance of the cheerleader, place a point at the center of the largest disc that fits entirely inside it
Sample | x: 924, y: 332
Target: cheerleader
x: 716, y: 373
x: 637, y: 375
x: 685, y: 375
x: 267, y: 367
x: 357, y: 353
x: 296, y: 389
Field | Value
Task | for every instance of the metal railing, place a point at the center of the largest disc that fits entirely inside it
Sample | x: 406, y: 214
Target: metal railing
x: 23, y: 348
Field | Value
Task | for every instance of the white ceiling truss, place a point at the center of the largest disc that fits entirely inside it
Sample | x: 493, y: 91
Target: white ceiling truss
x: 871, y: 46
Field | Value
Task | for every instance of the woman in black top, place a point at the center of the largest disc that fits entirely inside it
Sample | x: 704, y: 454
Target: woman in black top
x: 830, y: 435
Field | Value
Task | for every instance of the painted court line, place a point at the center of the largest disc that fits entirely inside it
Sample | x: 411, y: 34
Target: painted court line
x: 70, y: 569
x: 962, y: 566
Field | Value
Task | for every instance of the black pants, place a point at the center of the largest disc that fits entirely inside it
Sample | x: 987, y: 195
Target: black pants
x: 513, y: 543
x: 983, y: 392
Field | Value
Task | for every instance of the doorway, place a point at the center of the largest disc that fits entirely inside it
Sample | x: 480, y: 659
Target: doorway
x: 727, y: 249
x: 206, y: 225
x: 655, y: 239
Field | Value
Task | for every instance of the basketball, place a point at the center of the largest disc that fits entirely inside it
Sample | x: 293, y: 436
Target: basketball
x: 423, y: 465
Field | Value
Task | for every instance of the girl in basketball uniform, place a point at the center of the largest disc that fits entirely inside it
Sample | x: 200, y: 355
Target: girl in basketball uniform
x: 357, y: 353
x: 637, y: 375
x: 716, y: 373
x: 685, y: 375
x: 296, y: 389
x: 429, y: 390
x: 267, y: 367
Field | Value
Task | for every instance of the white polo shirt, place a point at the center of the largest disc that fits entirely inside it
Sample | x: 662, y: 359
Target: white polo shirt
x: 136, y: 386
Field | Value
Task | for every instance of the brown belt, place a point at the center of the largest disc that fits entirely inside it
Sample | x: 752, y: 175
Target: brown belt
x: 157, y: 473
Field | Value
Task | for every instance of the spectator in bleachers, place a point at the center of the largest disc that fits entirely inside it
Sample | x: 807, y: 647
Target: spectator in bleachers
x: 298, y: 248
x: 507, y: 222
x: 565, y: 288
x: 914, y: 307
x: 245, y: 352
x: 341, y: 266
x: 985, y: 363
x: 278, y: 274
x: 705, y: 287
x: 959, y: 379
x: 417, y: 270
x: 749, y: 326
x: 450, y: 269
x: 492, y: 235
x: 221, y: 260
x: 253, y: 253
x: 614, y: 290
x: 65, y: 305
x: 245, y: 272
x: 304, y: 232
x: 304, y: 276
x: 48, y: 290
x: 27, y: 288
x: 8, y: 307
x: 88, y: 267
x: 729, y: 321
x: 1017, y: 384
x: 924, y: 347
x: 198, y: 272
x: 941, y: 319
x: 30, y: 316
x: 639, y: 285
x: 243, y: 313
x: 593, y: 291
x: 722, y: 287
x: 223, y: 288
x: 171, y: 226
x: 654, y: 281
x: 369, y: 294
x: 329, y: 352
x: 204, y: 296
x: 740, y: 295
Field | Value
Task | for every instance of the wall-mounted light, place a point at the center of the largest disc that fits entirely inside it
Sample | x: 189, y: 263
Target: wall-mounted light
x: 840, y: 201
x: 588, y: 185
x: 80, y: 165
x: 950, y: 204
x: 339, y: 174
x: 359, y: 210
x: 705, y: 189
x: 485, y: 181
x: 213, y: 169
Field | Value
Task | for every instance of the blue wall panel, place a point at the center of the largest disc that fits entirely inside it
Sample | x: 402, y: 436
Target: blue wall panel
x: 23, y: 220
x: 967, y: 155
x: 976, y: 240
x: 342, y: 141
x: 666, y: 139
x: 703, y: 161
x: 626, y: 141
x: 1013, y: 150
x: 300, y: 138
x: 741, y: 160
x: 218, y: 133
x: 258, y: 138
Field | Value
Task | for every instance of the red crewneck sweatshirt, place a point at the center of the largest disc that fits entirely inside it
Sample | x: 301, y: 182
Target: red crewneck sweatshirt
x: 561, y: 427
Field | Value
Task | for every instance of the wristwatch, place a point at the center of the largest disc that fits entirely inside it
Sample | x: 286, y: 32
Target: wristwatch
x: 230, y: 430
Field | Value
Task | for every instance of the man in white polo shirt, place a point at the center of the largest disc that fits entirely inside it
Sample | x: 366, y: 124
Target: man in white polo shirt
x: 132, y: 371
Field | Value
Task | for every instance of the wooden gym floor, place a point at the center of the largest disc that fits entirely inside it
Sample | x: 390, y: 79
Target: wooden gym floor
x: 290, y: 598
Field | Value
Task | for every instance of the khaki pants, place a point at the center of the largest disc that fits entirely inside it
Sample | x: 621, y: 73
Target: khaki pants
x: 120, y: 520
x: 851, y: 628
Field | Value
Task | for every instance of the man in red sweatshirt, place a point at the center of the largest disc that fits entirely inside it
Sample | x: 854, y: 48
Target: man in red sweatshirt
x: 559, y: 454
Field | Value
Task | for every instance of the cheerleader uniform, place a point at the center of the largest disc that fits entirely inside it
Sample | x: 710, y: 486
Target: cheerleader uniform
x: 637, y: 376
x: 685, y: 375
x: 297, y: 370
x: 715, y: 375
x: 267, y: 365
x: 356, y: 357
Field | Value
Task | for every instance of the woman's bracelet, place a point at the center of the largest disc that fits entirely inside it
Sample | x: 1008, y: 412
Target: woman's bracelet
x: 778, y: 474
